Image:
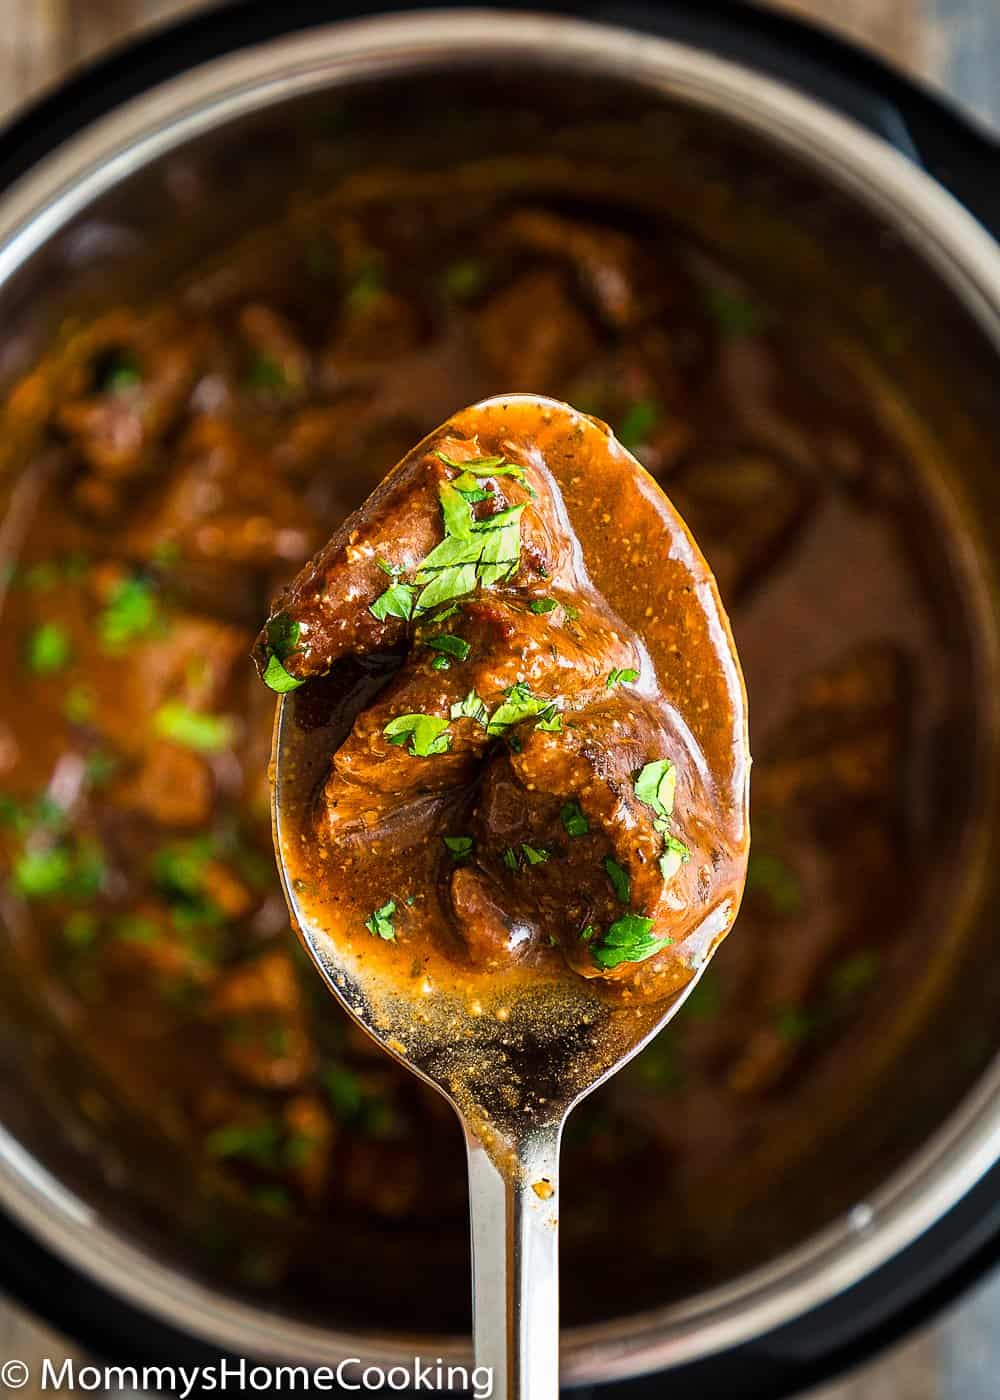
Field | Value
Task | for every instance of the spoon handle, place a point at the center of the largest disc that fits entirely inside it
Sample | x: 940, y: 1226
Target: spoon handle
x: 515, y: 1268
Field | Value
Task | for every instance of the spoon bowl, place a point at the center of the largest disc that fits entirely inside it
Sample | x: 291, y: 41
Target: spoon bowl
x: 513, y: 1054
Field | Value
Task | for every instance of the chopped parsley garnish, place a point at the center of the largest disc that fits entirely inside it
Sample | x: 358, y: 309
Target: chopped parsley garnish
x: 451, y: 645
x: 472, y: 707
x: 367, y: 285
x: 48, y: 649
x: 735, y: 314
x: 379, y: 922
x: 620, y: 882
x: 78, y: 704
x: 283, y: 634
x: 459, y: 846
x: 257, y: 1143
x: 427, y: 734
x: 519, y: 704
x: 770, y: 876
x: 675, y: 854
x: 855, y: 974
x: 550, y: 721
x: 133, y: 928
x: 628, y: 939
x: 570, y: 613
x: 265, y: 373
x: 490, y: 554
x: 510, y: 858
x: 449, y: 611
x: 535, y: 855
x: 69, y: 870
x: 440, y: 663
x: 623, y: 675
x: 573, y: 819
x: 278, y: 679
x: 542, y: 605
x: 586, y: 934
x: 81, y: 929
x: 116, y: 372
x: 458, y: 517
x: 656, y: 784
x: 396, y: 601
x: 482, y: 466
x: 391, y: 569
x: 464, y: 279
x: 344, y: 1090
x: 638, y: 423
x: 794, y: 1023
x: 194, y: 729
x: 131, y: 612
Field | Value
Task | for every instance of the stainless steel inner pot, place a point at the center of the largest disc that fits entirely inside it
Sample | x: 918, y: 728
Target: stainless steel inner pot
x: 188, y: 165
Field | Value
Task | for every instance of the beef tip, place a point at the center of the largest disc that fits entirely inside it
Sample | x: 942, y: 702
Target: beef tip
x: 745, y: 508
x: 277, y: 367
x: 491, y: 935
x: 173, y: 786
x: 129, y: 381
x: 222, y: 505
x: 533, y: 335
x: 611, y: 268
x: 550, y: 655
x: 329, y: 604
x: 266, y: 1037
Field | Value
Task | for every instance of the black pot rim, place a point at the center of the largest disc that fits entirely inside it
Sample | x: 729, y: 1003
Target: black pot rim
x: 965, y: 1243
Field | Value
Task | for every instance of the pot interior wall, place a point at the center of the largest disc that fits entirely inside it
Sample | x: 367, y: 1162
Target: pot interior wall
x: 875, y: 325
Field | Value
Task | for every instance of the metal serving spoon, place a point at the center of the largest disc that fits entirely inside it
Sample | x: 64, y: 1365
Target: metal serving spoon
x: 512, y: 1076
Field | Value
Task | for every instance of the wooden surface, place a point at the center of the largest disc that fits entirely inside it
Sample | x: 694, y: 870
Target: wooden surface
x: 953, y: 44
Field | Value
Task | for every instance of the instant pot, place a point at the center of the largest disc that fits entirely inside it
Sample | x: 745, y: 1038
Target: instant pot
x: 180, y: 136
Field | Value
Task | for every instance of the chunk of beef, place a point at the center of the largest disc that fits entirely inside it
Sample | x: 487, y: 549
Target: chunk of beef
x: 556, y: 658
x: 533, y: 335
x: 396, y: 529
x: 266, y: 1038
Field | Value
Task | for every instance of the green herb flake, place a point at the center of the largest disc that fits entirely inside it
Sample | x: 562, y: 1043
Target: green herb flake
x: 64, y: 871
x: 570, y: 613
x: 734, y: 313
x: 396, y: 601
x: 464, y: 279
x: 535, y: 855
x: 460, y: 847
x: 458, y: 519
x: 510, y: 858
x: 628, y: 939
x: 655, y: 786
x: 518, y: 704
x: 131, y: 613
x: 278, y: 679
x: 573, y: 819
x: 81, y: 929
x: 550, y: 721
x: 369, y: 282
x: 450, y: 645
x: 675, y: 854
x: 794, y: 1024
x: 257, y: 1143
x: 620, y: 882
x: 770, y: 876
x: 194, y: 729
x: 542, y: 605
x: 640, y: 420
x: 379, y: 922
x: 344, y: 1090
x: 587, y: 934
x: 440, y: 663
x: 133, y: 928
x: 620, y: 676
x: 117, y: 372
x: 472, y: 707
x: 391, y: 569
x: 48, y: 649
x: 423, y: 735
x: 78, y: 705
x: 854, y: 975
x: 266, y: 375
